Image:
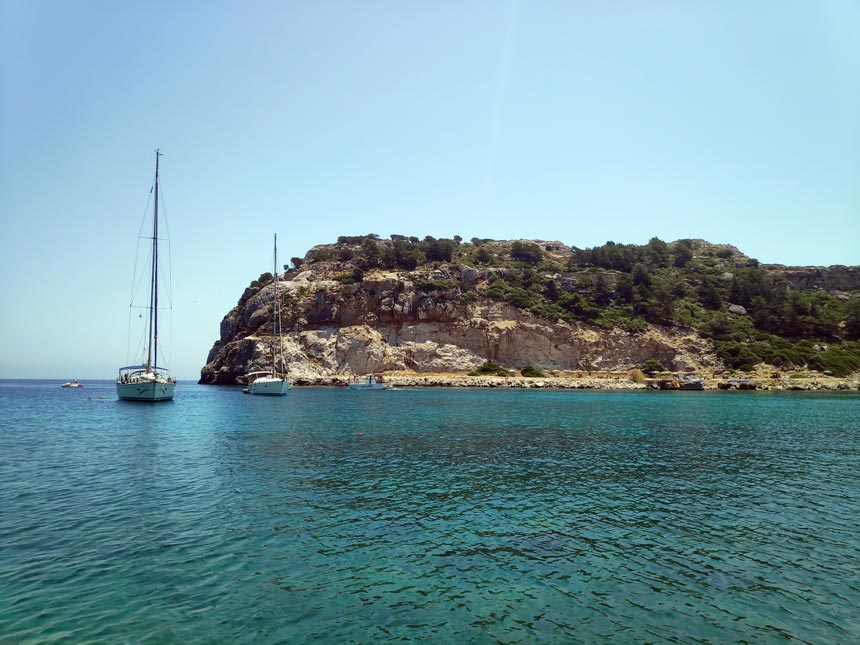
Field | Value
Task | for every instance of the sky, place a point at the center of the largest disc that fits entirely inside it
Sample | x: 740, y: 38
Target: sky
x: 581, y: 122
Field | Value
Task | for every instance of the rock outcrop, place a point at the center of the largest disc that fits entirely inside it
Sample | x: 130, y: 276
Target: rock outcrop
x: 832, y: 278
x: 342, y: 317
x: 433, y: 323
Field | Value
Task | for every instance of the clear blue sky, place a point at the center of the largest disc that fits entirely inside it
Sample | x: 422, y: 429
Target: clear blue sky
x: 582, y: 122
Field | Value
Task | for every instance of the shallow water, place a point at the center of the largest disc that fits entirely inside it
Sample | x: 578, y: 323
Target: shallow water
x: 436, y: 515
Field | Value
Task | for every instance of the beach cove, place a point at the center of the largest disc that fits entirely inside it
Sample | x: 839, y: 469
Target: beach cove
x: 767, y: 381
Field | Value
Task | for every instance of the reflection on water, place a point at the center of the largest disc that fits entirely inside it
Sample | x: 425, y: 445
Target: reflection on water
x: 434, y: 515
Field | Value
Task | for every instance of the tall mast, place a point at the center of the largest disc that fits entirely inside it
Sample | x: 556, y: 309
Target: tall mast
x: 153, y: 294
x: 276, y: 319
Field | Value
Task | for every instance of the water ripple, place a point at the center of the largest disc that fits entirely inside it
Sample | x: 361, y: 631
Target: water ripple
x: 437, y: 516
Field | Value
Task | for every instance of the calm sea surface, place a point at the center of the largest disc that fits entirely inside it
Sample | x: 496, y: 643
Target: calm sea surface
x: 430, y: 515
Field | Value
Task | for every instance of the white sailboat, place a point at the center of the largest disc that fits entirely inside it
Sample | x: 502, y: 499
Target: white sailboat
x: 272, y: 382
x: 369, y: 382
x: 149, y: 382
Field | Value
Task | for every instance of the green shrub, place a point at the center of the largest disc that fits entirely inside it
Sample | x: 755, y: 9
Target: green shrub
x: 550, y: 311
x: 484, y: 256
x: 621, y: 317
x: 263, y: 280
x: 851, y: 311
x: 531, y: 372
x: 467, y: 297
x: 740, y: 356
x: 652, y: 365
x: 345, y: 278
x: 634, y: 325
x: 321, y: 255
x: 502, y: 289
x: 438, y: 250
x: 426, y: 285
x: 526, y: 252
x: 490, y: 369
x: 839, y: 360
x: 637, y: 377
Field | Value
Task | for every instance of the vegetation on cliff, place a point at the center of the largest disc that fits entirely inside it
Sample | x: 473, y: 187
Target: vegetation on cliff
x: 751, y: 313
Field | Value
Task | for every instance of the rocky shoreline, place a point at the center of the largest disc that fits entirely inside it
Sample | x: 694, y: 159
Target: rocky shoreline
x: 619, y: 382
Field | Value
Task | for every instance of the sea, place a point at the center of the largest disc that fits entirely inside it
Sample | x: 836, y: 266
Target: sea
x: 428, y: 515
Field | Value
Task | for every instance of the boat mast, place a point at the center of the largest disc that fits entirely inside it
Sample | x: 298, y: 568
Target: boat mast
x: 276, y: 320
x: 153, y: 294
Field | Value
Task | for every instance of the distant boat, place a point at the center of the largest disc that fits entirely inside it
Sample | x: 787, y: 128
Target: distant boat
x: 369, y: 382
x: 271, y: 382
x: 149, y: 382
x: 72, y: 383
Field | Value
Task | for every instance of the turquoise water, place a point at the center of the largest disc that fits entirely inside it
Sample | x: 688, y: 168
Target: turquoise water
x: 429, y: 515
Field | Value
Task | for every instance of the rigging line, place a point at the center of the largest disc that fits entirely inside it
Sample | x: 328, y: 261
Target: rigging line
x: 136, y: 288
x: 141, y: 345
x: 139, y: 236
x: 168, y: 274
x: 166, y: 358
x: 170, y: 343
x: 166, y: 277
x: 162, y: 359
x: 137, y: 356
x: 167, y: 280
x: 134, y: 277
x: 128, y: 339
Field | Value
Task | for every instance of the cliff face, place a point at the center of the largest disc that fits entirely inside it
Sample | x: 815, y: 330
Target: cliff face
x: 834, y: 278
x: 450, y: 307
x: 387, y: 323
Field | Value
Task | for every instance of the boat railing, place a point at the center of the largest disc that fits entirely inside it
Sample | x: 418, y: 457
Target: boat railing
x: 134, y: 373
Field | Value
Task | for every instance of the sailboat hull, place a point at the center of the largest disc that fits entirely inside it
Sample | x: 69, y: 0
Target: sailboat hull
x: 153, y: 391
x: 269, y: 387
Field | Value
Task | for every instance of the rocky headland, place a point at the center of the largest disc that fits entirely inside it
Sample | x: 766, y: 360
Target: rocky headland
x: 434, y: 323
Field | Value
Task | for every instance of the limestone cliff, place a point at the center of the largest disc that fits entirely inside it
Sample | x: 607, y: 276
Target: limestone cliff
x: 369, y: 305
x: 424, y: 321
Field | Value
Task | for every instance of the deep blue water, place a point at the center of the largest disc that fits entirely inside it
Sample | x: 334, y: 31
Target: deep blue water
x: 430, y: 515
